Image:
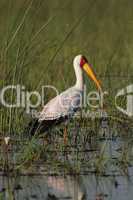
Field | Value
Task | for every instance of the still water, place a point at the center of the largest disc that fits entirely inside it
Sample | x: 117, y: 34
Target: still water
x: 76, y: 188
x: 116, y: 182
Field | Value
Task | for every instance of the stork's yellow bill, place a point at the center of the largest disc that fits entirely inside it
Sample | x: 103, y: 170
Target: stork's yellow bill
x: 88, y: 69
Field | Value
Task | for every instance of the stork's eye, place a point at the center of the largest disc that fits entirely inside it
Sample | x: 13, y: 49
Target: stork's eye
x: 83, y: 61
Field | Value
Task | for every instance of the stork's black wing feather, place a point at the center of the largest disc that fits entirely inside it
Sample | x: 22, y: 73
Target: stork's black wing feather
x: 36, y: 127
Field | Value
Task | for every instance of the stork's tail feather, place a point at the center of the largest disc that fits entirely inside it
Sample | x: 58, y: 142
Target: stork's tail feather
x: 36, y: 127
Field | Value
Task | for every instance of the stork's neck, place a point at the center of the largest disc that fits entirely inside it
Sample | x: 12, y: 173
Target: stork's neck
x: 79, y: 77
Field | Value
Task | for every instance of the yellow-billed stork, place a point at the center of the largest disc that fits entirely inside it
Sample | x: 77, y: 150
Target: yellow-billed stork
x: 64, y: 105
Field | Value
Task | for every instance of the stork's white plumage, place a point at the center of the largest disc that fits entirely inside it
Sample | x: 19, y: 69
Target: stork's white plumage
x: 68, y: 102
x: 62, y: 105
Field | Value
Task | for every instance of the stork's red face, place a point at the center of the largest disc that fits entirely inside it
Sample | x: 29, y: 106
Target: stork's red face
x: 88, y: 69
x: 83, y: 61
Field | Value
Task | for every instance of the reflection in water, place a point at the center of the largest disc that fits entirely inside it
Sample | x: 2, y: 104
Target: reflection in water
x: 40, y: 187
x: 65, y: 187
x: 76, y: 188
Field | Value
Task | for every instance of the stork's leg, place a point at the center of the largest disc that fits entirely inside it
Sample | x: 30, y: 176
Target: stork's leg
x: 65, y: 136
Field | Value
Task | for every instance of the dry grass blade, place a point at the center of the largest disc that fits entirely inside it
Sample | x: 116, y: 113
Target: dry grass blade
x: 19, y: 26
